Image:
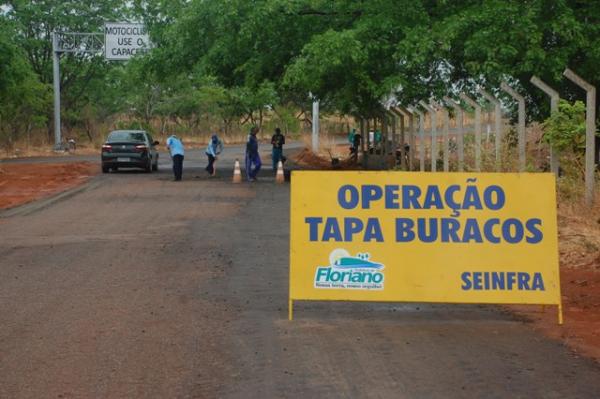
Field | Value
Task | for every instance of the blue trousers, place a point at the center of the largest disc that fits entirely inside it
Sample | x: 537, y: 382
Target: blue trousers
x: 177, y: 166
x: 211, y: 160
x: 276, y: 155
x: 252, y: 160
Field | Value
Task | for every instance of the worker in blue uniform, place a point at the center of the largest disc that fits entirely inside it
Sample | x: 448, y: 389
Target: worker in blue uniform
x: 253, y: 163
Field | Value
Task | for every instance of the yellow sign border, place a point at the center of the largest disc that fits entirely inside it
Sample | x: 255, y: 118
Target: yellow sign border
x: 438, y: 176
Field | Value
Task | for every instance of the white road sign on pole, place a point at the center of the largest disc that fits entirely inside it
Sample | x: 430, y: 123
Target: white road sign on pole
x: 124, y: 40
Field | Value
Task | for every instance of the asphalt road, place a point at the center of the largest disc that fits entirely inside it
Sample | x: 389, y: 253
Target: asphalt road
x: 140, y: 287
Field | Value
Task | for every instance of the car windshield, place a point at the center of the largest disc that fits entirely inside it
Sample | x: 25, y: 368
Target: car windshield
x: 126, y: 137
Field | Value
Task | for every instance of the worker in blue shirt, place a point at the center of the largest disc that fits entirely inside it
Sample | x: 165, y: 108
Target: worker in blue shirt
x: 176, y: 150
x: 214, y: 148
x: 253, y: 163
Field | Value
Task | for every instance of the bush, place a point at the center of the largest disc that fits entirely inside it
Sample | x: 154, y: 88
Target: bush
x: 565, y: 129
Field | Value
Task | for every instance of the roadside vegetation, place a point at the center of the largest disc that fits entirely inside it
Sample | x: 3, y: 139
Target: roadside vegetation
x: 225, y: 65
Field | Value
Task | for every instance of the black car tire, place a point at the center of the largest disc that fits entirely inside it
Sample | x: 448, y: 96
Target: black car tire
x: 148, y: 167
x: 155, y: 166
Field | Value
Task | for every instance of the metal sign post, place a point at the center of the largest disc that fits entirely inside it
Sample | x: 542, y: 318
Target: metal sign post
x: 131, y: 37
x: 69, y: 42
x: 56, y: 84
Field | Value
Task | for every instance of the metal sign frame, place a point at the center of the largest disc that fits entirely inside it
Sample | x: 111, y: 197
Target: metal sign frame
x: 75, y: 43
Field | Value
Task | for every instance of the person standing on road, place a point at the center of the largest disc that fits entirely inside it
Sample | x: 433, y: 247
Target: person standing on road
x: 253, y: 163
x: 356, y: 140
x: 278, y: 140
x: 176, y: 150
x: 215, y: 146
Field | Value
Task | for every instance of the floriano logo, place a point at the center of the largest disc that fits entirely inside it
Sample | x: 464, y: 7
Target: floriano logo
x: 350, y: 272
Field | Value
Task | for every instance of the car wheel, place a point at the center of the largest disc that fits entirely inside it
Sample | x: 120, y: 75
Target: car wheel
x: 155, y: 166
x: 105, y: 169
x: 148, y: 167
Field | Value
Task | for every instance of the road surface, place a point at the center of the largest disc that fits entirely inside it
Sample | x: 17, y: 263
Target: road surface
x: 140, y: 287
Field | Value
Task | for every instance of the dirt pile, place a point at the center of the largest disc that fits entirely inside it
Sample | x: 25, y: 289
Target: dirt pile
x: 579, y: 251
x: 21, y: 183
x: 335, y: 158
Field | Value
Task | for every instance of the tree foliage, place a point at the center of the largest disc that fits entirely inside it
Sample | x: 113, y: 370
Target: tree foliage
x: 565, y: 129
x: 231, y: 60
x: 22, y: 96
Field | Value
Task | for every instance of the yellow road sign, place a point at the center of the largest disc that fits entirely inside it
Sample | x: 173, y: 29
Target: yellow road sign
x: 424, y: 237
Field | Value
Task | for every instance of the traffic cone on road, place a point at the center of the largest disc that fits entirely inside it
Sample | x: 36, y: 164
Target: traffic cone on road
x: 237, y: 174
x: 280, y: 178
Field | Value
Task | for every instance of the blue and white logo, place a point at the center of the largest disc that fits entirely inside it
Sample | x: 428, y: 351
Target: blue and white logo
x: 350, y: 272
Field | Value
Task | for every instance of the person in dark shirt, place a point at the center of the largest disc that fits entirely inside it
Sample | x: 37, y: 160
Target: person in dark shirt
x: 253, y: 163
x: 356, y: 140
x: 278, y: 140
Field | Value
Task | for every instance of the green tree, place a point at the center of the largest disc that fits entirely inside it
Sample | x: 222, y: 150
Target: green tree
x: 565, y: 130
x: 34, y: 22
x: 22, y: 96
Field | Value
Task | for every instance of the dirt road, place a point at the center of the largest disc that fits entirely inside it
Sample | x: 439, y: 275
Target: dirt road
x: 142, y: 287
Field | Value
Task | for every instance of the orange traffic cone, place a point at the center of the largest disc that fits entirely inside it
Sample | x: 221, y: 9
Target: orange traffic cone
x: 237, y: 174
x: 280, y: 178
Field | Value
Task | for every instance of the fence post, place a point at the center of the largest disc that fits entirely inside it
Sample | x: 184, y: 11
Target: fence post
x: 554, y: 99
x: 477, y: 108
x: 521, y: 127
x: 421, y: 137
x: 315, y: 126
x: 364, y: 126
x: 590, y: 131
x: 497, y: 122
x: 446, y: 133
x: 408, y: 115
x: 411, y: 140
x: 460, y: 132
x: 433, y: 149
x: 393, y: 141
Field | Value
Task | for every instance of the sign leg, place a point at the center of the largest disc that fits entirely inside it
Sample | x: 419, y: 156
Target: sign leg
x: 290, y: 309
x: 560, y: 314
